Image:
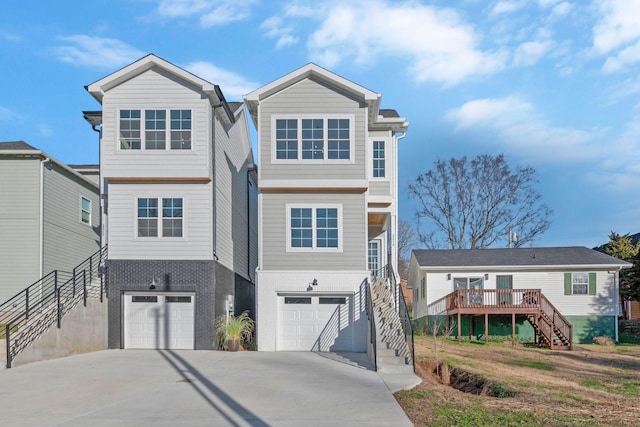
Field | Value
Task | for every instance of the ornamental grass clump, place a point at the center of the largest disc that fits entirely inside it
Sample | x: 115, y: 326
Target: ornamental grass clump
x: 237, y: 329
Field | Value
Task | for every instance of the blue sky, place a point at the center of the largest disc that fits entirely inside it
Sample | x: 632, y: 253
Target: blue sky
x: 551, y: 84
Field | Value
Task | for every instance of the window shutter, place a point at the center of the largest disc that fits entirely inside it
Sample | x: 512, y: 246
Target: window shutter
x: 592, y: 283
x: 567, y: 284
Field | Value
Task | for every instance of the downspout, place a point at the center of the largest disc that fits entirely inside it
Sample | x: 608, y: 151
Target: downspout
x: 250, y: 169
x: 43, y: 162
x: 214, y: 231
x: 100, y: 186
x: 617, y: 301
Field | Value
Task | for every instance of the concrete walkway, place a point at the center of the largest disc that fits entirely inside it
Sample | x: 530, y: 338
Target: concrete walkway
x: 198, y: 388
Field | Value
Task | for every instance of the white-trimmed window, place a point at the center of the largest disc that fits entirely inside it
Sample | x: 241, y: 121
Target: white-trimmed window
x: 85, y: 210
x: 580, y: 283
x: 312, y: 138
x: 314, y: 228
x: 379, y: 164
x: 148, y: 129
x: 170, y: 215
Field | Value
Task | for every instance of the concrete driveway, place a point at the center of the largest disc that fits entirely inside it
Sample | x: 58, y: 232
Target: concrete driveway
x: 196, y: 388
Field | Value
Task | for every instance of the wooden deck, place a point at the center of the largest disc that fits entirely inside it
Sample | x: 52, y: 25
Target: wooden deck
x: 550, y: 326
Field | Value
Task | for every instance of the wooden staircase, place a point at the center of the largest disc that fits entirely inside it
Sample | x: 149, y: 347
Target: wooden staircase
x: 392, y: 352
x: 552, y: 329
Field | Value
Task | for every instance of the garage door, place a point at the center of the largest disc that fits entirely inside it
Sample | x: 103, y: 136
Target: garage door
x: 317, y: 323
x: 159, y: 321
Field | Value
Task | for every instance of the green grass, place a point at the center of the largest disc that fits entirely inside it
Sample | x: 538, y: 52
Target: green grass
x: 624, y: 338
x: 478, y: 415
x: 532, y: 364
x: 627, y: 388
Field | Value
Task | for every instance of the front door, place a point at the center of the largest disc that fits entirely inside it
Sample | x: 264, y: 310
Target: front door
x: 374, y: 258
x: 504, y: 282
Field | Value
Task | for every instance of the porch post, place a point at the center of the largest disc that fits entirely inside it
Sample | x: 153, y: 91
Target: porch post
x: 471, y: 327
x: 513, y: 328
x: 486, y: 327
x: 459, y: 327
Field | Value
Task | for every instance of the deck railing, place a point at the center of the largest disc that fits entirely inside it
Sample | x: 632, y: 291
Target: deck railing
x: 493, y: 298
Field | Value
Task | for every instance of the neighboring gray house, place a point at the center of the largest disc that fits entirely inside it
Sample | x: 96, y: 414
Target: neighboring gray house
x: 49, y: 217
x: 328, y: 206
x: 484, y: 288
x: 179, y: 206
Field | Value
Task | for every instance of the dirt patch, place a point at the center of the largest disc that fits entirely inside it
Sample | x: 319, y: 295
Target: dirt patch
x: 592, y: 385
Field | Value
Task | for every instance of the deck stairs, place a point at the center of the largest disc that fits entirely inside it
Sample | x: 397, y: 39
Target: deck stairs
x: 392, y: 351
x: 552, y: 330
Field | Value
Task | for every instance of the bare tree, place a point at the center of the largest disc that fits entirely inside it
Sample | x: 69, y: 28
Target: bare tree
x: 472, y: 204
x: 407, y: 238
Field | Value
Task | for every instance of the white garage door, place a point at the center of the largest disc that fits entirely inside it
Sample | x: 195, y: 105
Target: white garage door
x: 159, y: 321
x: 317, y: 323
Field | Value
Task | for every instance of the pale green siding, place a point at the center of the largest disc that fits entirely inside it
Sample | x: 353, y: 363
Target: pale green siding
x: 19, y: 224
x: 67, y: 241
x: 274, y: 233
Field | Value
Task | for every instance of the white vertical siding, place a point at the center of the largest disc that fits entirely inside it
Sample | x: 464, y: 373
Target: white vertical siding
x: 68, y: 241
x: 19, y: 224
x: 197, y: 223
x: 312, y: 97
x: 274, y: 233
x: 155, y: 89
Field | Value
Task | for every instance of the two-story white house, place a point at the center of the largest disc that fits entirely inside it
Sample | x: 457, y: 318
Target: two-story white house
x: 177, y: 186
x: 328, y: 202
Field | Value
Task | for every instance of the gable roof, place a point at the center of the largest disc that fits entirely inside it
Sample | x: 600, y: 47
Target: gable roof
x: 98, y: 88
x: 16, y: 146
x: 311, y: 70
x: 517, y: 257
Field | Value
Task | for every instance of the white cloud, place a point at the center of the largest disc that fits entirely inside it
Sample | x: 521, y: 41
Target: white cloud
x: 627, y: 56
x: 275, y: 29
x: 561, y: 9
x: 529, y: 53
x: 7, y: 114
x: 44, y: 129
x: 507, y: 6
x: 547, y: 3
x: 210, y: 13
x: 618, y: 26
x: 11, y: 37
x: 233, y: 85
x: 439, y: 45
x: 96, y: 51
x: 515, y: 125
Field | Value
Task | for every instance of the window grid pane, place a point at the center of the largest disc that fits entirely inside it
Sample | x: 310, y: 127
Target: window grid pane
x: 338, y: 139
x: 301, y: 228
x: 286, y: 139
x: 147, y: 217
x: 313, y: 139
x: 373, y: 256
x: 327, y: 227
x: 172, y: 217
x: 85, y: 210
x: 180, y: 129
x: 378, y: 159
x: 580, y: 283
x: 155, y: 129
x: 130, y: 130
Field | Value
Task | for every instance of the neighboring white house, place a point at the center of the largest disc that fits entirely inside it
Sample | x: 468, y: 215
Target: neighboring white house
x: 179, y: 205
x: 49, y: 217
x: 581, y: 283
x: 328, y: 205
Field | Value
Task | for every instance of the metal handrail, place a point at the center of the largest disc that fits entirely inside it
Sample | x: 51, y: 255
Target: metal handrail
x: 372, y: 323
x: 57, y: 290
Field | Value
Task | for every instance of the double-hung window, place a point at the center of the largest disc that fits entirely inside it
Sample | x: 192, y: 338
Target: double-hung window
x: 149, y: 130
x: 313, y: 228
x: 580, y: 283
x: 85, y: 210
x: 154, y: 221
x: 312, y: 138
x: 378, y: 159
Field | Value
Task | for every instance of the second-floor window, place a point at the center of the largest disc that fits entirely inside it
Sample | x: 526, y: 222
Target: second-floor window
x: 313, y: 139
x: 154, y: 221
x: 149, y: 130
x: 378, y: 159
x: 313, y: 228
x: 85, y: 210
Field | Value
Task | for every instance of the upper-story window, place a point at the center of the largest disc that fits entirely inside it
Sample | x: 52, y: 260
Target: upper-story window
x: 148, y: 130
x: 313, y: 227
x: 312, y: 138
x: 378, y: 159
x: 149, y: 214
x: 85, y: 210
x: 580, y: 283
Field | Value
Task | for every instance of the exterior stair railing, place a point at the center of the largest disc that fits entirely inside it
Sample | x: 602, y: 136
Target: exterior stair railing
x: 32, y: 311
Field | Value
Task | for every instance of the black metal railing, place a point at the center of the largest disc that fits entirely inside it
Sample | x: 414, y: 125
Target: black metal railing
x: 372, y: 323
x: 403, y: 313
x: 31, y: 312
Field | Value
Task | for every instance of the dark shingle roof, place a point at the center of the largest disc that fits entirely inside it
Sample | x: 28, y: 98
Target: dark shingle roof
x: 85, y: 167
x: 532, y: 257
x: 388, y: 113
x: 16, y: 145
x: 234, y: 106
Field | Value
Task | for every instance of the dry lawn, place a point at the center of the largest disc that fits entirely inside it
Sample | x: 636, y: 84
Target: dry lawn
x: 591, y: 385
